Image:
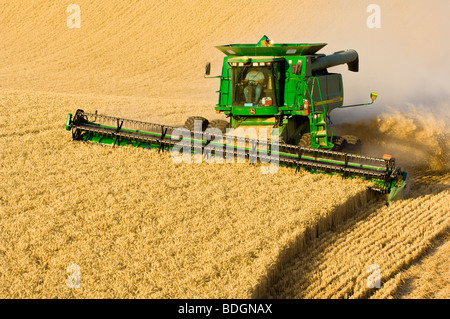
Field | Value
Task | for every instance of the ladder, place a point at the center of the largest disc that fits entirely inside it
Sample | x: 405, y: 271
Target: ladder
x: 317, y: 120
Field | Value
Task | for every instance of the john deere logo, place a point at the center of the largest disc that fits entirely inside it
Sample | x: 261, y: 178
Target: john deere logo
x: 252, y: 111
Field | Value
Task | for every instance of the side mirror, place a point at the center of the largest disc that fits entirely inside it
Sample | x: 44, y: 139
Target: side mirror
x: 373, y: 96
x: 208, y: 68
x: 297, y: 68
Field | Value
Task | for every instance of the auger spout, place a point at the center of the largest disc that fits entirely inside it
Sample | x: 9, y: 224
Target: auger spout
x: 348, y: 56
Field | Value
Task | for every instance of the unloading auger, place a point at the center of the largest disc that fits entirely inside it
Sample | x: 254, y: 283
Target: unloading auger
x: 277, y: 86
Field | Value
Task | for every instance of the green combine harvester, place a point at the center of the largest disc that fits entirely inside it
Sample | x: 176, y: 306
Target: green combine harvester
x: 286, y: 87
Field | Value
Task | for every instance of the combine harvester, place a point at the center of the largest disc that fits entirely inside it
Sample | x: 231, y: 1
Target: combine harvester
x: 279, y: 86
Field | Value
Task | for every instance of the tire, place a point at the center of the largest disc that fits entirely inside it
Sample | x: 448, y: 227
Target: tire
x: 352, y: 144
x: 189, y: 124
x: 220, y: 124
x: 339, y: 143
x: 305, y: 141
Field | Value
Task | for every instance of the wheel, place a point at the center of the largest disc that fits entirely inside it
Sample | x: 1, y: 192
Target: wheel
x: 338, y: 142
x: 305, y: 141
x: 352, y: 144
x: 189, y: 124
x: 220, y: 124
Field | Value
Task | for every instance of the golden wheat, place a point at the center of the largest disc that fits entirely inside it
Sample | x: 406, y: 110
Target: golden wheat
x: 336, y: 266
x: 429, y: 278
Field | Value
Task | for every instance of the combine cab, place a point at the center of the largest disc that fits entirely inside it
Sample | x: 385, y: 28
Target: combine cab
x: 286, y: 87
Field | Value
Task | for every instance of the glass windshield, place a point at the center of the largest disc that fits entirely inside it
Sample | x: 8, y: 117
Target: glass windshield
x: 254, y: 84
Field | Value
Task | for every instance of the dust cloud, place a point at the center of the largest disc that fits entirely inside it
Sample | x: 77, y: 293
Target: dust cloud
x: 418, y: 140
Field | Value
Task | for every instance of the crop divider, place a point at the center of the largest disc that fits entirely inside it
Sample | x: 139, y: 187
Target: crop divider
x: 161, y: 142
x: 116, y: 135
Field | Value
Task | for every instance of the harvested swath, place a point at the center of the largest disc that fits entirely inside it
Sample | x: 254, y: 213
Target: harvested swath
x: 137, y: 224
x: 336, y: 265
x: 427, y: 279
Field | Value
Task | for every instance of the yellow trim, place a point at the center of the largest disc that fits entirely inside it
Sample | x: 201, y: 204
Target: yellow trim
x: 336, y: 99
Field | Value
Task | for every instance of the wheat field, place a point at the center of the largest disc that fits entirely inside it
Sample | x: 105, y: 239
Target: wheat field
x: 138, y: 225
x: 337, y: 264
x: 429, y: 278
